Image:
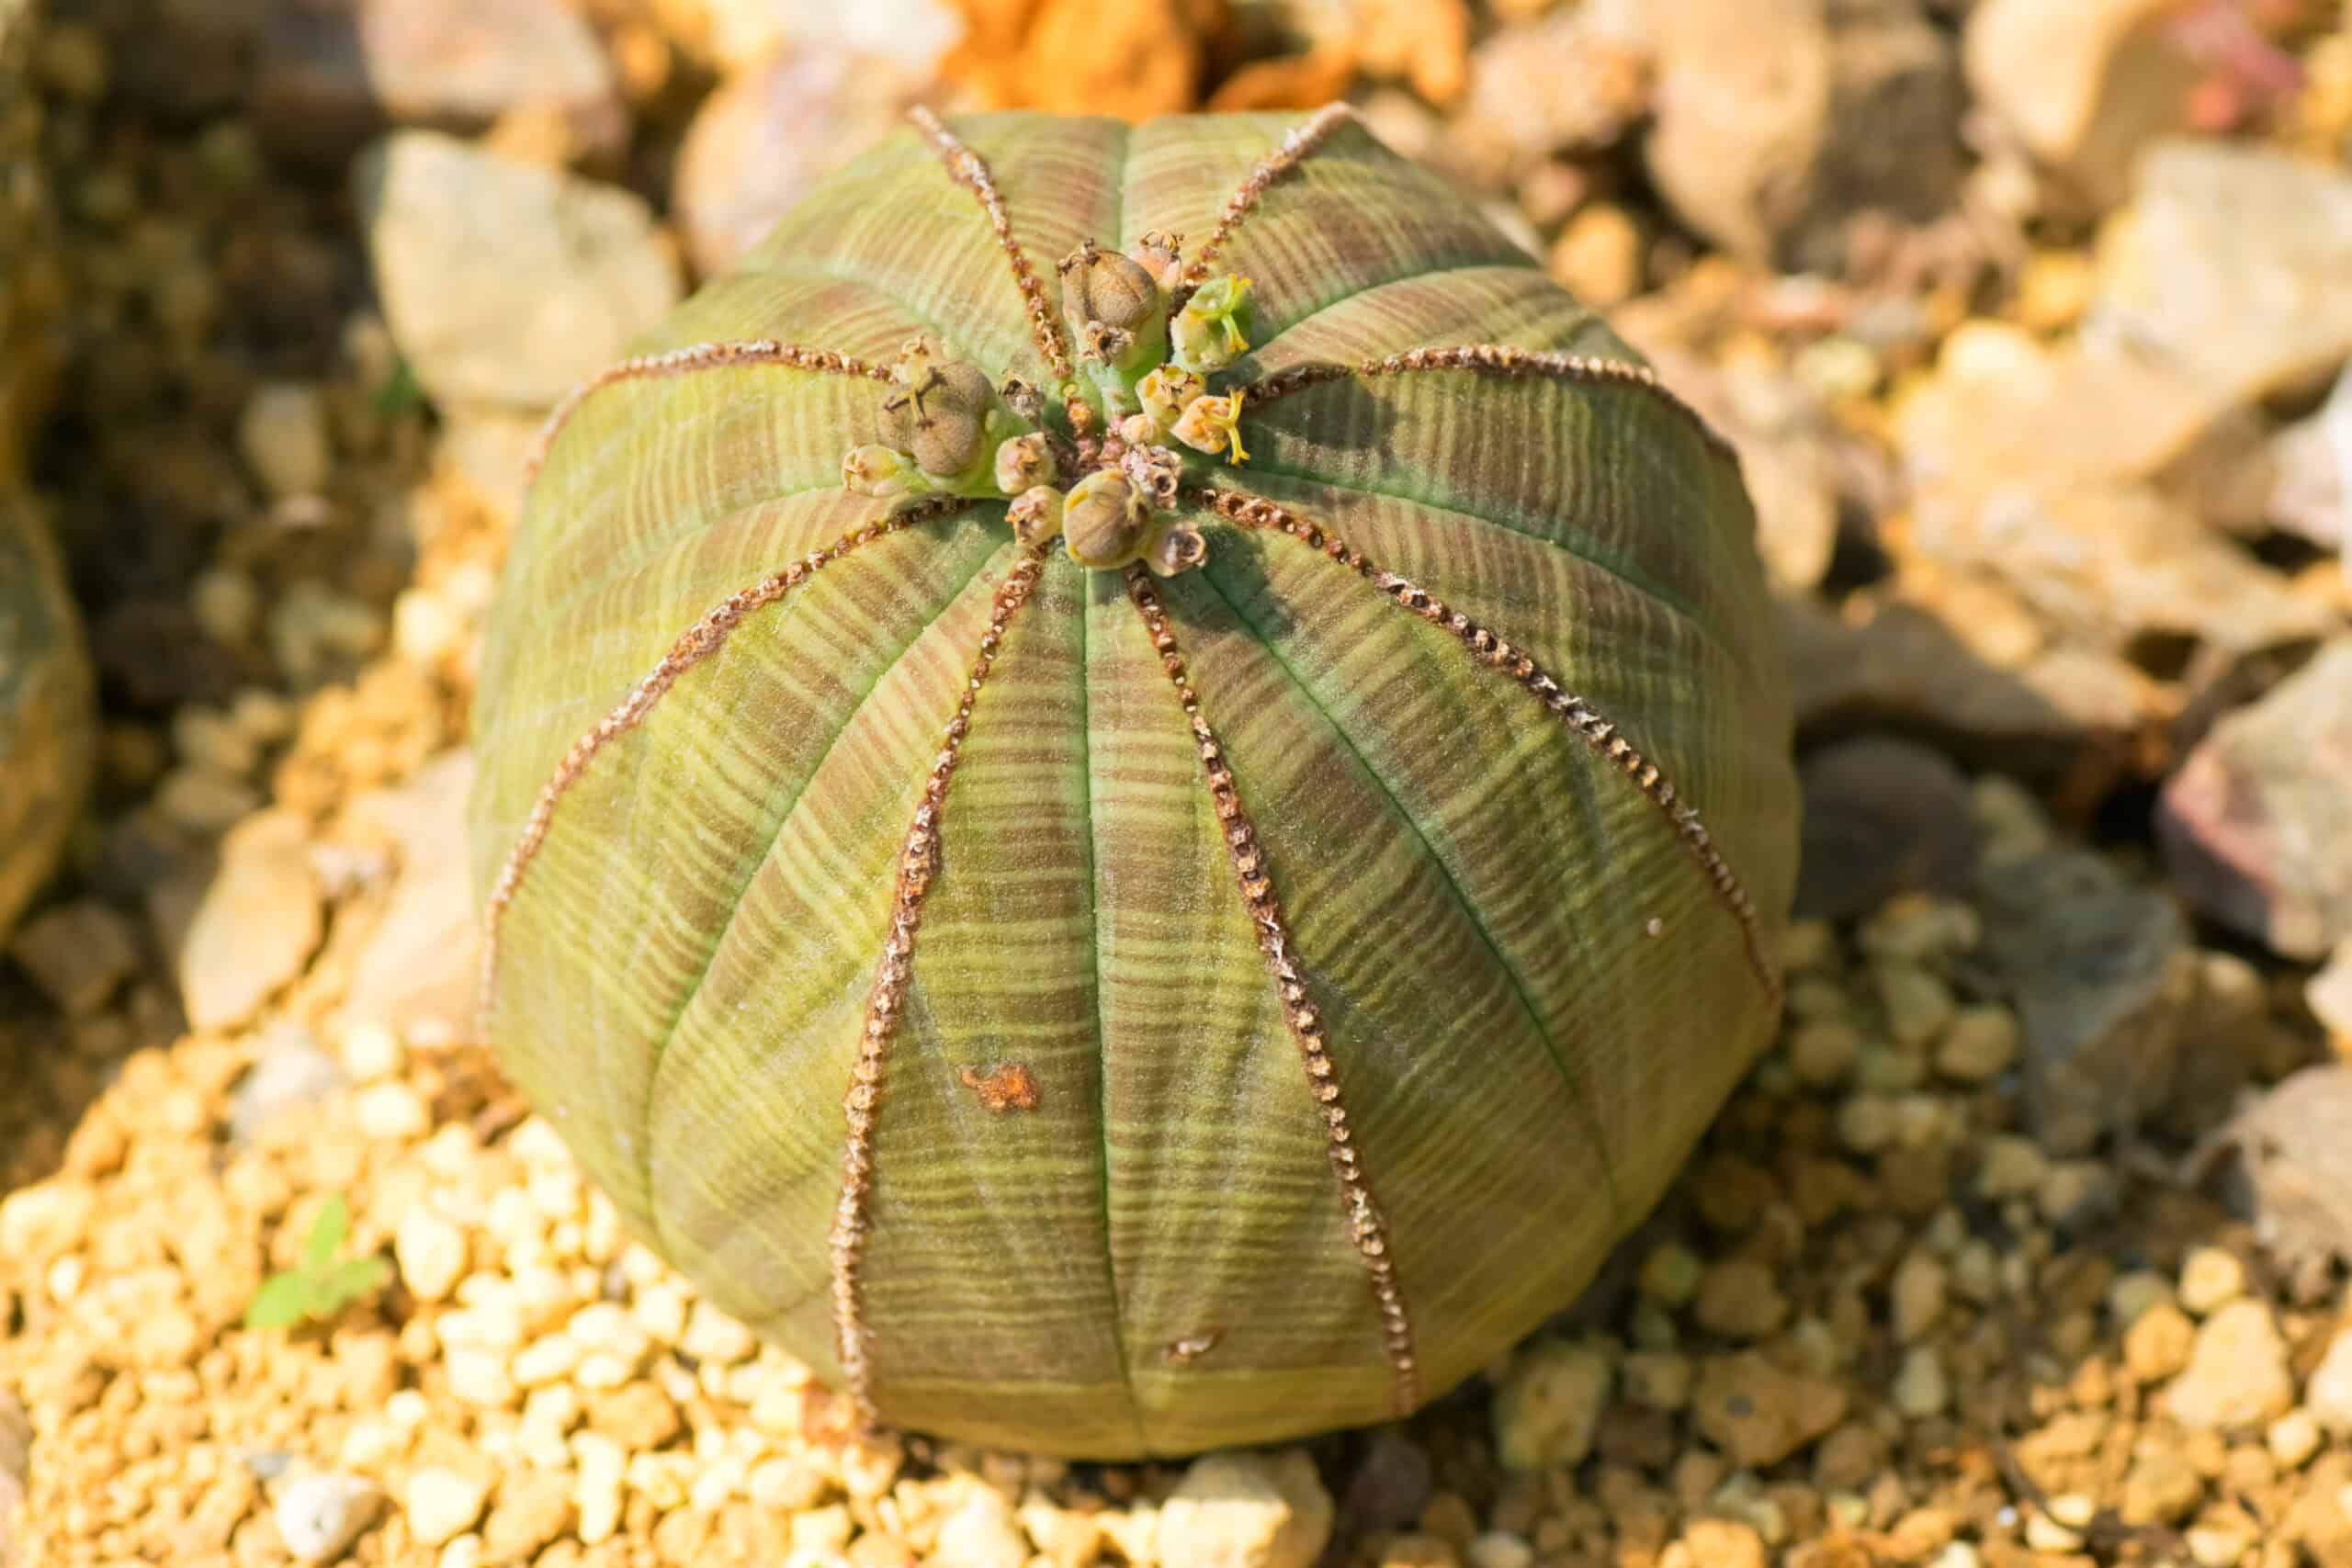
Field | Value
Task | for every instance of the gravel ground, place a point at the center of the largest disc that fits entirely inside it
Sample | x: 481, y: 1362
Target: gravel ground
x: 2023, y: 1245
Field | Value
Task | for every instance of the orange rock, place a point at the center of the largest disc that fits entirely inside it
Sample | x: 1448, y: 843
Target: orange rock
x: 1132, y: 60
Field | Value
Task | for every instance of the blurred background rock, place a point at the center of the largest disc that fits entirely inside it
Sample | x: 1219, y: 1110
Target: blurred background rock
x: 2029, y: 319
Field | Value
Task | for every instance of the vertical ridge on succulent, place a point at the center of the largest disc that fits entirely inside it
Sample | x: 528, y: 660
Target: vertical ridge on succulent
x: 1598, y: 732
x: 684, y: 361
x: 918, y: 860
x: 696, y: 643
x: 1302, y: 140
x: 968, y: 169
x: 1491, y: 359
x: 1366, y: 1224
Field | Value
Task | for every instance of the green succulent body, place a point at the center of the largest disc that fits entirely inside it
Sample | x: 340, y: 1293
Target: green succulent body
x: 1183, y: 1002
x: 48, y: 705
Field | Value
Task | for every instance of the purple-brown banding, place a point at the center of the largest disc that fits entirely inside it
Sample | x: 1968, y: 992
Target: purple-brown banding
x: 1299, y: 142
x: 1581, y: 718
x: 1490, y: 359
x: 968, y: 169
x: 683, y: 361
x: 918, y: 862
x: 701, y: 639
x: 1366, y: 1225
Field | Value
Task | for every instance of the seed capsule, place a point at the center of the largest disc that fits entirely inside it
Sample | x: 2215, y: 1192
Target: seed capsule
x: 1036, y: 514
x: 1023, y: 461
x: 1103, y: 286
x: 1105, y: 521
x: 1179, y: 548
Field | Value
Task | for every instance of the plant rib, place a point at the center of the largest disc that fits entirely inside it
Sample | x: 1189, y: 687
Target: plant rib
x: 686, y: 361
x: 1490, y: 359
x: 698, y: 642
x: 1296, y: 144
x: 1367, y: 1226
x: 968, y: 169
x: 918, y: 863
x: 1598, y: 732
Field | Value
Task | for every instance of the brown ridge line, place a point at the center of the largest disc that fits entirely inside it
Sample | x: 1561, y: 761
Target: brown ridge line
x: 918, y: 861
x: 684, y: 361
x: 1493, y: 359
x: 1582, y: 718
x: 1366, y: 1224
x: 699, y: 641
x: 968, y: 169
x: 1299, y: 142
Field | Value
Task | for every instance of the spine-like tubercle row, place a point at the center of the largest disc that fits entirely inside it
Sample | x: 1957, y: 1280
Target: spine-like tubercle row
x: 1296, y: 144
x: 686, y: 361
x: 1367, y: 1226
x: 1491, y: 359
x: 968, y: 169
x: 1588, y: 724
x: 918, y: 863
x: 698, y: 642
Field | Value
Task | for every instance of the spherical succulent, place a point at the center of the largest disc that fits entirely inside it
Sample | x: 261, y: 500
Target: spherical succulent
x: 1141, y: 849
x: 48, y: 725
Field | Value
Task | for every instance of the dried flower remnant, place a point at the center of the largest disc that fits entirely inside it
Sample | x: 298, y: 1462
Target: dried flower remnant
x: 1006, y: 1085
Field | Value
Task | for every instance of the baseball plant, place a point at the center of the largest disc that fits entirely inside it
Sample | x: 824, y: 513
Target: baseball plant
x: 1134, y: 791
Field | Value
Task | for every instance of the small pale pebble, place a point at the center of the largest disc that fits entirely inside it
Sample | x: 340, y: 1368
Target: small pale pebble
x: 1823, y: 1053
x: 825, y: 1529
x: 369, y: 1442
x: 2157, y: 1344
x: 390, y: 1113
x: 1499, y: 1549
x: 205, y: 737
x: 2328, y: 1395
x: 1549, y: 1404
x: 2210, y: 1277
x: 479, y: 1378
x: 203, y: 802
x: 282, y: 434
x: 372, y: 1053
x: 2219, y: 1545
x: 2293, y: 1439
x: 545, y: 1360
x: 320, y: 1514
x: 226, y: 603
x: 463, y: 1553
x: 2133, y: 1294
x: 1916, y: 1295
x: 779, y: 1409
x: 664, y: 1479
x: 425, y: 626
x: 1978, y: 1046
x: 443, y: 1503
x: 1670, y: 1275
x: 1724, y: 1543
x: 1921, y: 1389
x: 1657, y: 1380
x: 1958, y: 1554
x: 786, y: 1484
x: 982, y: 1533
x: 1867, y: 1123
x: 712, y: 1336
x: 1918, y: 1003
x: 598, y: 1500
x: 2043, y: 1533
x: 431, y: 1253
x: 2011, y: 1167
x: 661, y: 1311
x: 408, y: 1410
x: 2237, y: 1374
x: 1739, y: 1298
x: 265, y: 716
x: 1976, y: 1271
x: 1808, y: 944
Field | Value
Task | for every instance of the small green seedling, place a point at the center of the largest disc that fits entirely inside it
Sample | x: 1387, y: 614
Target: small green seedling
x: 321, y: 1286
